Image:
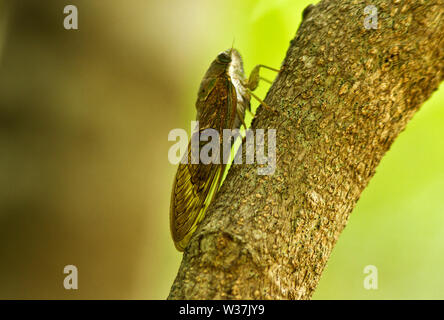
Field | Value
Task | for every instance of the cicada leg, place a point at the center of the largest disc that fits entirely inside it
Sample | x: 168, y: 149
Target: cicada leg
x: 253, y: 80
x: 266, y: 80
x: 262, y: 102
x: 253, y: 83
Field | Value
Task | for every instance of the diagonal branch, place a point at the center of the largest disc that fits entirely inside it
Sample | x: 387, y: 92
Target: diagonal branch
x: 345, y: 94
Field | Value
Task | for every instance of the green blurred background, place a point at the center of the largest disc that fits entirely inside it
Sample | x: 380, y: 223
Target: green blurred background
x: 84, y: 171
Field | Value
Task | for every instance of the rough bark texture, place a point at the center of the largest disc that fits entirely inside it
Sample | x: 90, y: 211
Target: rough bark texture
x: 344, y: 96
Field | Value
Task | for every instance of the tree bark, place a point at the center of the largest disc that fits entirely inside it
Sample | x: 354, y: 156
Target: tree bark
x: 344, y: 95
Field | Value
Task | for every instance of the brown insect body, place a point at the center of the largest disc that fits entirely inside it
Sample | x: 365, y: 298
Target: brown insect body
x: 221, y: 103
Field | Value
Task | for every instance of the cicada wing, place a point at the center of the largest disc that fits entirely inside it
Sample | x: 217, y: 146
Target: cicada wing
x: 195, y: 185
x: 218, y: 110
x: 193, y: 190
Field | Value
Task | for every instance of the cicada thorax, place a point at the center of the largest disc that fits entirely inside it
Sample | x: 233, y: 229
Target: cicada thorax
x: 221, y: 104
x: 223, y: 96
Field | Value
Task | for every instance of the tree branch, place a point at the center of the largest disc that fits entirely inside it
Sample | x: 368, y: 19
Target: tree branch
x: 344, y: 95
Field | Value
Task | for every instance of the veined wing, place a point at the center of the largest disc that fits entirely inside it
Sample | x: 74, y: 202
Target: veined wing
x: 195, y: 185
x: 193, y: 189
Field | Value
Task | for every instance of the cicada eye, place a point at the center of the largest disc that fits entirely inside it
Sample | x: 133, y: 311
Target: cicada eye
x: 224, y: 57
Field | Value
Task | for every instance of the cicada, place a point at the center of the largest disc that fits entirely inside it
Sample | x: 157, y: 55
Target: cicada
x: 224, y: 96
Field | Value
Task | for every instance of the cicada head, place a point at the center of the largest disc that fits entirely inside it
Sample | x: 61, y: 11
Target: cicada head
x: 224, y: 57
